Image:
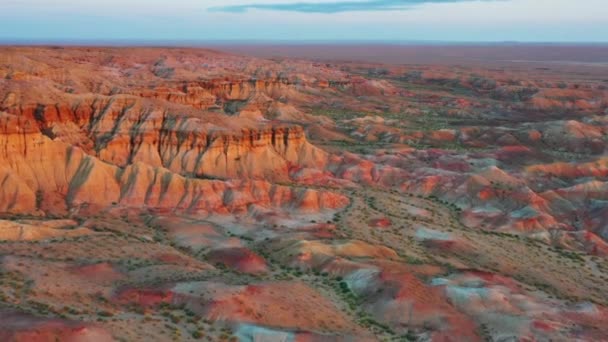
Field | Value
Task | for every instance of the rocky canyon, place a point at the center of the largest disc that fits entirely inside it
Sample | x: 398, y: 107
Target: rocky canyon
x: 154, y: 194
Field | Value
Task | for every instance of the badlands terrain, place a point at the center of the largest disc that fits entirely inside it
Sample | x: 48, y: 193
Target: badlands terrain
x: 155, y: 194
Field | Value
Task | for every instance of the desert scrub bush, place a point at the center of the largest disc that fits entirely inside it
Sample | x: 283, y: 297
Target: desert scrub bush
x: 413, y: 260
x: 370, y: 322
x: 104, y: 313
x: 574, y: 256
x: 516, y: 94
x: 197, y: 335
x: 482, y: 83
x: 70, y: 310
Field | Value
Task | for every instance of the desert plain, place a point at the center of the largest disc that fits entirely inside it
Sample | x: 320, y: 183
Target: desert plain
x: 303, y: 194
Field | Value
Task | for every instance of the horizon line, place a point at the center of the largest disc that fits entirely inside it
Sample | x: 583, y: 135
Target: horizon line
x: 125, y: 42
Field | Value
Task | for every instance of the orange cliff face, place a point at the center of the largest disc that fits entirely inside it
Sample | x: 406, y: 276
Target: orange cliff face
x: 123, y: 130
x: 40, y: 173
x: 100, y: 150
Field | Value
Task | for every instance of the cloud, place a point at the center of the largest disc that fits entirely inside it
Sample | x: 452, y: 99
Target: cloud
x: 334, y: 7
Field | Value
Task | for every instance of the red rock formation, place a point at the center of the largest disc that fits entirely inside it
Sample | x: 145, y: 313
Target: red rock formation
x: 35, y: 166
x: 241, y: 259
x: 20, y: 327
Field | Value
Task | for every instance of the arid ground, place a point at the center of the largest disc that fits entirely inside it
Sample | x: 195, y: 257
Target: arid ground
x: 154, y: 194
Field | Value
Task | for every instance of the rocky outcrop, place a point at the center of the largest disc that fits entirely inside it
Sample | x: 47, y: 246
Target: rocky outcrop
x: 214, y: 93
x: 123, y: 130
x: 99, y: 138
x: 154, y: 166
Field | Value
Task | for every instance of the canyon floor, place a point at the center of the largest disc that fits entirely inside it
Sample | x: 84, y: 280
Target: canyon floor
x: 155, y: 194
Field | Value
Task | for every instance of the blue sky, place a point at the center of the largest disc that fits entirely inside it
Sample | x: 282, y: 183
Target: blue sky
x: 308, y: 20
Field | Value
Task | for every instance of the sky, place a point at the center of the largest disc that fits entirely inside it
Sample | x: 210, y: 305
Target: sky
x: 305, y: 20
